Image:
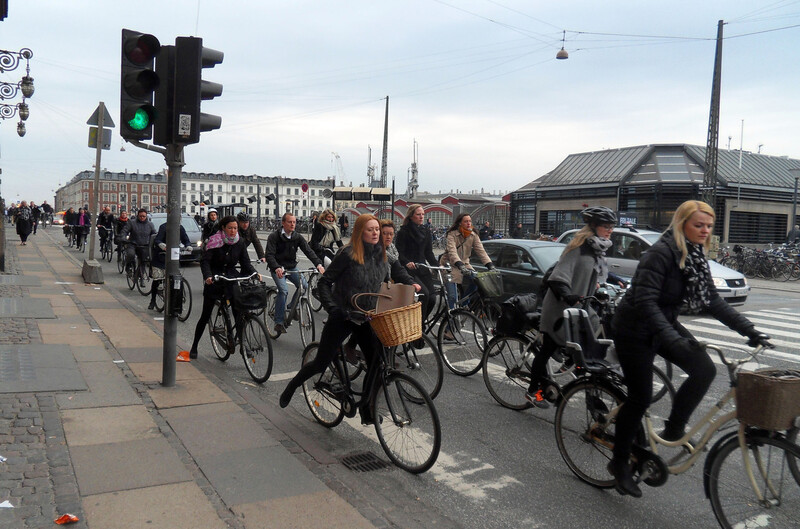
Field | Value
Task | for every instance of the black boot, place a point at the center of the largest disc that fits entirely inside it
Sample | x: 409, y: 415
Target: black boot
x: 673, y: 430
x: 623, y: 479
x: 286, y: 396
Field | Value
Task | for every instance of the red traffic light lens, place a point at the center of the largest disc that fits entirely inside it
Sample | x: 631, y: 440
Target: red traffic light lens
x: 142, y: 49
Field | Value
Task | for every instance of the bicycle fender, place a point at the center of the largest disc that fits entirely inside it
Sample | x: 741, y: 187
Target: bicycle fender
x: 599, y: 380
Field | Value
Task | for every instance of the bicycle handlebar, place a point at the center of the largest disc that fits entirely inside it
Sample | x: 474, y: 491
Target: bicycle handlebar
x: 216, y: 278
x: 424, y: 265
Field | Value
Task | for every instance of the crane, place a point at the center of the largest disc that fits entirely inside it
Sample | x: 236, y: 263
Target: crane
x: 339, y: 169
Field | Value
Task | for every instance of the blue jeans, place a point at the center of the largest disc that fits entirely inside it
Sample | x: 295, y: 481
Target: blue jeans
x: 283, y: 291
x: 468, y: 286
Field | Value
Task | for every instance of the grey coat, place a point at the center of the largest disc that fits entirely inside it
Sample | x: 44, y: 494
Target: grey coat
x: 576, y: 269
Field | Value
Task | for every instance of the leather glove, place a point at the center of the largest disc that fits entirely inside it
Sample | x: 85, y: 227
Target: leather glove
x: 162, y: 245
x: 757, y: 338
x: 571, y: 299
x: 490, y: 266
x: 690, y: 345
x: 356, y: 316
x: 460, y: 266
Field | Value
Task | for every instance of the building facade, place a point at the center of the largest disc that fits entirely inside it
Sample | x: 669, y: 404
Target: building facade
x: 755, y: 193
x: 264, y: 196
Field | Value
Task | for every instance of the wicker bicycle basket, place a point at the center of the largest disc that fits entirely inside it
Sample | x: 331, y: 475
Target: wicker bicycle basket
x: 768, y: 398
x: 395, y: 326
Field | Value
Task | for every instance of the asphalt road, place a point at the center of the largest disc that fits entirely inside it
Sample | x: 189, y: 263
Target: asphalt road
x: 497, y: 468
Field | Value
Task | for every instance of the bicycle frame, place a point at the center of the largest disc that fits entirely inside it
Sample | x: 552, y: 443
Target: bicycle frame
x: 294, y: 304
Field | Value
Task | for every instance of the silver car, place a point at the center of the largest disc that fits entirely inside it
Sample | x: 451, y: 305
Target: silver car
x: 628, y: 245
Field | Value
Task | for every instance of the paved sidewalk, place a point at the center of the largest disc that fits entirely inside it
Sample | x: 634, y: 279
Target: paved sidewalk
x: 86, y: 428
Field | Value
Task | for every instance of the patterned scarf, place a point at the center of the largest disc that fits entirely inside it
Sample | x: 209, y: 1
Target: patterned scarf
x: 219, y: 238
x: 698, y: 279
x: 599, y: 245
x: 331, y: 233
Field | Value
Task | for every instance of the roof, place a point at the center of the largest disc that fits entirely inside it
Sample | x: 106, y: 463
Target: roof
x: 665, y: 163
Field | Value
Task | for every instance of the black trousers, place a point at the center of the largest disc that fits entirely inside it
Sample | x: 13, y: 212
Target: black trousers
x: 334, y: 333
x: 539, y: 366
x: 636, y: 358
x: 425, y: 281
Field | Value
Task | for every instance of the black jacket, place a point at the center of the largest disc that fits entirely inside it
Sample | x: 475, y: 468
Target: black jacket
x: 159, y: 255
x: 282, y: 252
x: 224, y: 261
x: 250, y: 237
x: 344, y: 277
x: 317, y: 234
x: 414, y: 244
x: 651, y: 306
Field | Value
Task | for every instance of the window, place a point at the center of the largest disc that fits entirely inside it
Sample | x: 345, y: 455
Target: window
x: 106, y: 185
x: 312, y: 192
x: 296, y: 190
x: 250, y: 189
x: 113, y: 197
x: 193, y: 186
x: 86, y: 185
x: 241, y: 189
x: 105, y: 198
x: 134, y: 188
x: 145, y: 199
x: 202, y: 187
x: 183, y: 199
x: 123, y: 187
x: 183, y: 186
x: 114, y: 186
x: 219, y: 188
x: 146, y: 188
x: 133, y: 199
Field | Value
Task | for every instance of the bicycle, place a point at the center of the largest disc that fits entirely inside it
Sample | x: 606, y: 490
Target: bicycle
x: 298, y: 309
x: 480, y: 304
x: 405, y: 418
x: 143, y: 281
x: 106, y: 249
x: 250, y: 334
x: 186, y: 298
x: 461, y: 338
x: 751, y: 475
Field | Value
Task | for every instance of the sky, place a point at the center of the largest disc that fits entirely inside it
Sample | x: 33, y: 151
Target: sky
x: 474, y: 82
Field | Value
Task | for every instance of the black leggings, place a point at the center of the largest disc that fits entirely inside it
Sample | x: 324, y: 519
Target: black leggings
x: 208, y: 307
x: 539, y: 366
x: 333, y: 334
x: 425, y: 281
x: 636, y: 358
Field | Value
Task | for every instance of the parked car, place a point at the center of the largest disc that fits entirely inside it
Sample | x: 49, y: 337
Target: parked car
x: 628, y: 245
x: 521, y: 262
x: 192, y: 230
x: 58, y: 218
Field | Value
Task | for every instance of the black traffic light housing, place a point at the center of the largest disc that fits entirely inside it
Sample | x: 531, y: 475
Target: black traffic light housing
x: 165, y: 96
x: 190, y: 90
x: 138, y: 81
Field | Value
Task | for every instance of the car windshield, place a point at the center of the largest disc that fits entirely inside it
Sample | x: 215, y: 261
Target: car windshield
x: 651, y: 237
x: 546, y: 256
x: 188, y: 223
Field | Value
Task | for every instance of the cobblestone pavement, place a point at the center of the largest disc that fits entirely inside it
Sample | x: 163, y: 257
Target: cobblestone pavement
x: 36, y: 477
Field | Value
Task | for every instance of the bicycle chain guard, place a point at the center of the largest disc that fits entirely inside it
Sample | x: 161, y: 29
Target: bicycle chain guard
x: 651, y: 469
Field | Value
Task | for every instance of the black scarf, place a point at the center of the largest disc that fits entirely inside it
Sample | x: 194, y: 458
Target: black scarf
x: 698, y: 279
x: 418, y: 232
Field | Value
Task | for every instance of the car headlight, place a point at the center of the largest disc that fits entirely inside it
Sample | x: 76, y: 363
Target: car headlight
x: 199, y: 243
x: 719, y: 282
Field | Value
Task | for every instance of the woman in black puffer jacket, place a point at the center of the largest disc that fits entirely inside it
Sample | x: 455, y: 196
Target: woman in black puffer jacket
x: 673, y: 273
x: 415, y: 245
x: 360, y: 266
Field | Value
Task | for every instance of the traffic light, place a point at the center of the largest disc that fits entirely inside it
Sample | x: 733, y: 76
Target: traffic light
x: 190, y: 90
x: 137, y: 84
x: 164, y: 96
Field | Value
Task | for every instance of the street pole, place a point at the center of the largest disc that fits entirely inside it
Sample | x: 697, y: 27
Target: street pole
x: 175, y: 163
x: 793, y: 220
x: 258, y: 204
x: 95, y: 196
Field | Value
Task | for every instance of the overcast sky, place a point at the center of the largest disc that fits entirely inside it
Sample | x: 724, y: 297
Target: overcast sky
x: 475, y: 82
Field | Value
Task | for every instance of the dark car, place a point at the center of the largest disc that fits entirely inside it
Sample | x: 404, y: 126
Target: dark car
x: 193, y: 253
x: 521, y: 262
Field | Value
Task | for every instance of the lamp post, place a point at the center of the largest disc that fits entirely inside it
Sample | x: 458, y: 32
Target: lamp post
x: 10, y: 60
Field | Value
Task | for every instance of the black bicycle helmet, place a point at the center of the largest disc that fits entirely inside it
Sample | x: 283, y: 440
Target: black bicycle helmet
x: 242, y: 217
x: 598, y: 215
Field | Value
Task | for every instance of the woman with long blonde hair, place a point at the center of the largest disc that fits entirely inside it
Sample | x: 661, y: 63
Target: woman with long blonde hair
x: 671, y: 275
x: 326, y: 235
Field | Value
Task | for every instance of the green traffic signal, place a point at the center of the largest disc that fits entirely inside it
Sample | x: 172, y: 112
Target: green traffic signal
x: 140, y: 121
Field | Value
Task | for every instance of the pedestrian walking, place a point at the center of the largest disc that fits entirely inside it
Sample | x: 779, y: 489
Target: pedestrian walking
x: 24, y: 222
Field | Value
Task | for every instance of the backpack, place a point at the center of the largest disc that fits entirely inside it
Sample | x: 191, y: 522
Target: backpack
x: 518, y: 314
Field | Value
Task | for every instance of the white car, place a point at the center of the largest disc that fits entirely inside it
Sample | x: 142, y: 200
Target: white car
x: 630, y: 243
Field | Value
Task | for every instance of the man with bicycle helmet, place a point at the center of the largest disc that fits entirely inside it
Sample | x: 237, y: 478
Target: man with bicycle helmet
x: 581, y: 267
x: 248, y: 232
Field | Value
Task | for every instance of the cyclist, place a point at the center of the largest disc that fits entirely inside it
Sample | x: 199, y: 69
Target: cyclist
x: 326, y: 234
x: 47, y: 209
x: 160, y: 258
x: 359, y: 267
x: 225, y: 251
x: 672, y: 273
x: 461, y: 242
x: 248, y: 232
x: 211, y: 226
x: 281, y: 256
x: 414, y: 245
x: 106, y: 220
x: 580, y: 268
x: 83, y: 224
x: 69, y: 221
x: 36, y: 213
x: 138, y: 233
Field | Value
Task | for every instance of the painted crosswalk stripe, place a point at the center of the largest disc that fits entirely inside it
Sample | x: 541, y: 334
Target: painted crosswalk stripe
x: 774, y: 314
x: 765, y: 329
x: 736, y: 335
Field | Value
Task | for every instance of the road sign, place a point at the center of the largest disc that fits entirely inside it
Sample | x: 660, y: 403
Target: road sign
x: 106, y: 144
x: 107, y: 121
x: 304, y: 187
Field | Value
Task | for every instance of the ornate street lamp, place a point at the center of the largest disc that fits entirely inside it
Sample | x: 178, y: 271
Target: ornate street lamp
x: 21, y: 129
x: 24, y: 111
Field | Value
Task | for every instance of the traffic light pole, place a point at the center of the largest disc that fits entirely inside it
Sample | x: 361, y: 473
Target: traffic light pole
x: 175, y: 163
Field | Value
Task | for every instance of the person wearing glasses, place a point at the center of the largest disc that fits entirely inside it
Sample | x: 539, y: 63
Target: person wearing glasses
x: 581, y: 267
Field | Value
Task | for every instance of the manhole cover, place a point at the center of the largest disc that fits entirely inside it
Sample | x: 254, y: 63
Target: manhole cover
x: 363, y: 462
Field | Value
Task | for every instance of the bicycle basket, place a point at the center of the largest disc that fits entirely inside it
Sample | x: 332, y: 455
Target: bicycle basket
x: 768, y: 398
x: 249, y: 295
x: 490, y: 283
x: 396, y: 326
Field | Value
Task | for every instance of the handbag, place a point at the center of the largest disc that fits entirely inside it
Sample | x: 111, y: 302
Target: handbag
x: 393, y: 296
x: 249, y: 295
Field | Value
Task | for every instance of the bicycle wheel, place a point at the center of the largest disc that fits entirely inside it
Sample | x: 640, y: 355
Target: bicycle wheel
x: 583, y: 435
x: 322, y: 391
x: 423, y: 364
x: 406, y: 422
x: 256, y: 348
x: 186, y: 306
x: 731, y: 488
x: 159, y: 299
x: 462, y: 351
x: 316, y: 304
x: 120, y: 259
x: 269, y: 313
x: 220, y: 332
x: 305, y: 318
x: 145, y: 283
x: 130, y: 274
x: 507, y: 370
